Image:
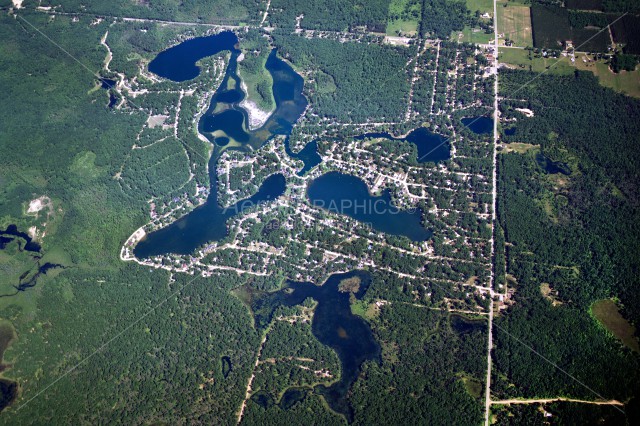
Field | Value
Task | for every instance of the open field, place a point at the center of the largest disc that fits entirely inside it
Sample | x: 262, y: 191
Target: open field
x: 515, y: 22
x: 627, y: 82
x: 624, y: 82
x: 395, y: 27
x: 471, y: 35
x: 607, y: 313
x: 520, y: 58
x: 481, y: 5
x: 404, y: 17
x: 519, y: 147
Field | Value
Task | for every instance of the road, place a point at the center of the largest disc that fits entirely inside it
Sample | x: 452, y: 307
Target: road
x: 487, y: 397
x: 546, y: 400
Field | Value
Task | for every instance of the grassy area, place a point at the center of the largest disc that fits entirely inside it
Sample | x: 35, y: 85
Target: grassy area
x: 518, y: 147
x: 252, y: 71
x: 472, y: 386
x: 514, y: 21
x: 627, y: 82
x: 521, y: 59
x: 258, y: 87
x: 404, y: 17
x: 472, y: 35
x: 481, y: 5
x: 607, y: 313
x: 395, y: 27
x: 364, y: 309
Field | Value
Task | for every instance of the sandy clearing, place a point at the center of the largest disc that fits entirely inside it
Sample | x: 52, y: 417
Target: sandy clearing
x: 156, y: 120
x: 525, y: 111
x: 38, y: 204
x: 257, y: 116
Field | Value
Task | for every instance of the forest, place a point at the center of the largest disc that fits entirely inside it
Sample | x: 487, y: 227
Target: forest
x: 429, y: 368
x: 208, y: 11
x: 330, y: 15
x: 573, y: 230
x: 441, y: 17
x: 558, y: 413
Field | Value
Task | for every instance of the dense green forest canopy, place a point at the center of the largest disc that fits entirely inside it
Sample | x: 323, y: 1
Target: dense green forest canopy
x: 330, y: 15
x: 441, y: 17
x: 575, y: 233
x: 209, y: 11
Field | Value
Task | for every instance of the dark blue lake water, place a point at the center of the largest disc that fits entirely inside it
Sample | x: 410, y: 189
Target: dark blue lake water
x: 432, y: 147
x: 8, y: 235
x: 349, y: 195
x: 479, y: 125
x: 107, y: 83
x: 206, y: 223
x: 178, y: 63
x: 510, y: 131
x: 308, y: 155
x: 334, y: 325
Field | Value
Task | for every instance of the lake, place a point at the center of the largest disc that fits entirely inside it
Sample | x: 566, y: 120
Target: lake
x: 308, y: 155
x: 225, y: 118
x: 349, y: 195
x: 224, y: 122
x: 11, y: 232
x: 206, y: 223
x: 334, y: 325
x: 479, y: 125
x: 463, y: 325
x: 432, y: 147
x: 178, y: 63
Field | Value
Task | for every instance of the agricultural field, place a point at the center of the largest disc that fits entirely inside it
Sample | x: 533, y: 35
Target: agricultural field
x: 514, y: 21
x: 551, y: 29
x: 625, y: 32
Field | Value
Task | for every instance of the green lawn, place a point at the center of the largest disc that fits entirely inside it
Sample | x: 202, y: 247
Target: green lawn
x: 627, y: 82
x: 404, y: 27
x: 471, y: 35
x: 481, y: 5
x: 520, y: 58
x: 404, y: 17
